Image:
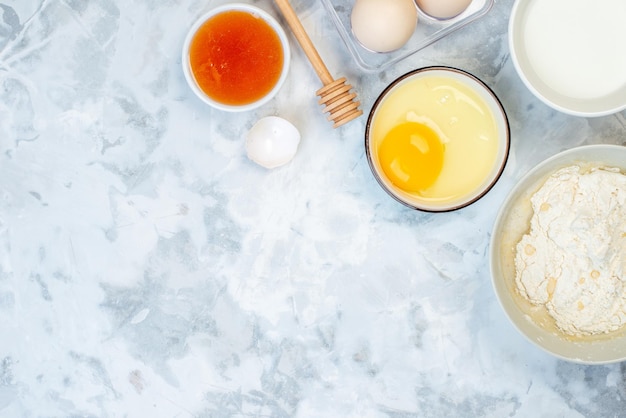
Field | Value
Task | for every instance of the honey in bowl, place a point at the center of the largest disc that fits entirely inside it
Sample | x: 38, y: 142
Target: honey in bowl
x: 437, y: 139
x: 236, y: 57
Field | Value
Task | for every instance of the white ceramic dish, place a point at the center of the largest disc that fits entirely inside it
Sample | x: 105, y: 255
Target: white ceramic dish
x: 565, y: 52
x: 257, y: 12
x: 511, y: 223
x: 453, y: 122
x: 429, y: 30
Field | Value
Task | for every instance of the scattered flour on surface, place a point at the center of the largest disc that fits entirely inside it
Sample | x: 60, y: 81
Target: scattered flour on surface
x: 573, y: 259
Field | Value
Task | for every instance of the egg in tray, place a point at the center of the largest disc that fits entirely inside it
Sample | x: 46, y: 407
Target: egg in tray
x: 379, y: 33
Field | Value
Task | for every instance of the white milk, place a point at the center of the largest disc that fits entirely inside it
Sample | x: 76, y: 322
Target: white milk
x: 576, y: 46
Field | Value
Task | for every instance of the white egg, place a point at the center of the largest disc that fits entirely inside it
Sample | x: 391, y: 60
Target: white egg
x: 272, y: 142
x: 383, y: 25
x: 443, y: 9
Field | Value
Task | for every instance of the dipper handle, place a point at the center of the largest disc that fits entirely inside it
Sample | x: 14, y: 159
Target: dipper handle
x: 335, y: 94
x: 305, y: 42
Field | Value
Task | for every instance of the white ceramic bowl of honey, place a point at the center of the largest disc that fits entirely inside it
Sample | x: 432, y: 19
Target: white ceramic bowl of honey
x: 437, y: 139
x: 236, y: 57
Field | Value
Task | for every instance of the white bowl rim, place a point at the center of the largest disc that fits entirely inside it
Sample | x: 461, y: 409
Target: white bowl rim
x: 519, y: 68
x: 499, y: 113
x: 273, y: 22
x: 543, y: 168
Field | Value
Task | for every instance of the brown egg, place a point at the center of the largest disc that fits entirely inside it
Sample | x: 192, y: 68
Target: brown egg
x: 443, y: 9
x: 383, y: 25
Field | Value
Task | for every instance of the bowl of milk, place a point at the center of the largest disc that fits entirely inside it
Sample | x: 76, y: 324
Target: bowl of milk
x: 565, y: 52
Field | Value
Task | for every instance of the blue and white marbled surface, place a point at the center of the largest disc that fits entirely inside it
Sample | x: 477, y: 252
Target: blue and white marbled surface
x: 149, y: 269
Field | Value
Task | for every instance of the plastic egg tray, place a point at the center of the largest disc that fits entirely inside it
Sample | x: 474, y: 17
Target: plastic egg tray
x: 428, y: 31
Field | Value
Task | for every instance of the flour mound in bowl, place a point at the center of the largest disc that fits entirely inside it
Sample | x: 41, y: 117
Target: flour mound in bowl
x: 573, y: 259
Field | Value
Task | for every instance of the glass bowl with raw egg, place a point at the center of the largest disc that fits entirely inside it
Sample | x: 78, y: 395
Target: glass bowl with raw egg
x: 437, y: 139
x: 236, y: 57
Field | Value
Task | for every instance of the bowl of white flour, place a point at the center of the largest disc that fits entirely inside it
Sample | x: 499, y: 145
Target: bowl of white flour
x: 558, y: 254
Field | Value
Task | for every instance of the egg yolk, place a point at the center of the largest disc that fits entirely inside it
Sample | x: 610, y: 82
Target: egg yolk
x: 411, y: 156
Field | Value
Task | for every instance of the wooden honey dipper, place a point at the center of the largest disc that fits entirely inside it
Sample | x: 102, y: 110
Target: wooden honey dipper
x: 335, y: 94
